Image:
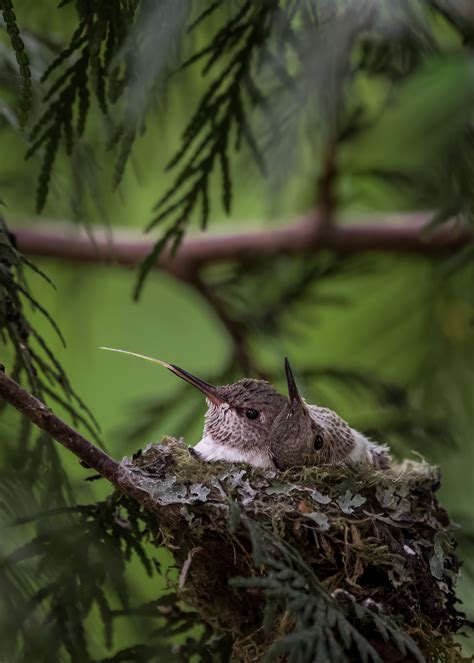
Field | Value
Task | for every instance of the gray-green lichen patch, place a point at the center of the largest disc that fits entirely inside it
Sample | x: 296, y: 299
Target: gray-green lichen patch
x: 378, y: 536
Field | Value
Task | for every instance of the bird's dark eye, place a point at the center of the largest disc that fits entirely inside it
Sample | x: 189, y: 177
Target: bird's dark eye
x: 252, y: 414
x: 318, y: 441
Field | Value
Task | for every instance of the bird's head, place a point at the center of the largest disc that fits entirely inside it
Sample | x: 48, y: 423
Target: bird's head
x: 239, y: 414
x: 304, y: 434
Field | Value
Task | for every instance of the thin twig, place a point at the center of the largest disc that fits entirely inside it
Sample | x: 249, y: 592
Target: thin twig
x: 242, y: 355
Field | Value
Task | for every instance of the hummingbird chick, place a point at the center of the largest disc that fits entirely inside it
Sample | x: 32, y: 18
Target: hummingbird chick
x: 238, y: 419
x: 249, y: 421
x: 305, y: 434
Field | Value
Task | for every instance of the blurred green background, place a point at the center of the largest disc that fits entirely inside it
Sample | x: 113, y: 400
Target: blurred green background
x: 406, y: 319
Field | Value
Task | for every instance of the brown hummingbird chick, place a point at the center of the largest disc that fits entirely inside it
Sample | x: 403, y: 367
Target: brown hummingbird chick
x: 238, y: 419
x: 305, y: 434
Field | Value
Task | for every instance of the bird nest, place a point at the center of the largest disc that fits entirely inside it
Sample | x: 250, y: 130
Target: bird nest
x: 330, y: 563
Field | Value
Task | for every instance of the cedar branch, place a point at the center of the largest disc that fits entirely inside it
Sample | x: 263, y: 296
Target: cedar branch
x: 394, y: 234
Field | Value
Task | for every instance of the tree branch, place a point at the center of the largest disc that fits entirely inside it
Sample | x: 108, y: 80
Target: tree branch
x: 241, y: 353
x: 38, y: 413
x: 394, y: 234
x: 317, y: 232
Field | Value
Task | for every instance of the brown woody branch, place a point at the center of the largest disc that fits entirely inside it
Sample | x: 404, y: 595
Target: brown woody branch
x: 310, y: 234
x: 242, y: 355
x: 394, y: 234
x: 38, y: 413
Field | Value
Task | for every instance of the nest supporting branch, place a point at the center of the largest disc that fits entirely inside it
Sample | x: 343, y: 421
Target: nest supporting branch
x: 89, y: 454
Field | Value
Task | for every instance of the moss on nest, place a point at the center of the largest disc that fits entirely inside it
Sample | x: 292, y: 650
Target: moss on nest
x: 363, y: 556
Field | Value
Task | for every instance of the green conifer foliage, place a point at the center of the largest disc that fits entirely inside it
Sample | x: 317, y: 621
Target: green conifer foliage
x: 315, y: 565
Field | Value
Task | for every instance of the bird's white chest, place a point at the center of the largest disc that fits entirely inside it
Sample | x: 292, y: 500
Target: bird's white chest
x: 362, y: 449
x: 210, y: 450
x: 366, y: 451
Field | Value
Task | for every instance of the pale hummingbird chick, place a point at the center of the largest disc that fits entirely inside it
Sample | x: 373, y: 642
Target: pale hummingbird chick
x: 305, y: 434
x: 238, y: 419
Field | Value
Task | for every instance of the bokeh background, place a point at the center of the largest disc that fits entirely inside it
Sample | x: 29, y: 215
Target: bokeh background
x: 407, y: 320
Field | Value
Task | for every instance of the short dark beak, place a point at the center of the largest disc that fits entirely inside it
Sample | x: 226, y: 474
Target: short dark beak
x: 207, y: 389
x: 293, y: 394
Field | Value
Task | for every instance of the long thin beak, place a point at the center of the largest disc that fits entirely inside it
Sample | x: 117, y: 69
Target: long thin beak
x: 293, y: 394
x: 207, y: 389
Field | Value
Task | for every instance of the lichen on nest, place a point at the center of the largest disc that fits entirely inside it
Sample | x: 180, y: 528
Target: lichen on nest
x: 345, y: 561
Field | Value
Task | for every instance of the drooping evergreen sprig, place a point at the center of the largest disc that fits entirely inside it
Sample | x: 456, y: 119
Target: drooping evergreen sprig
x: 81, y: 563
x: 326, y: 627
x: 59, y: 558
x: 24, y: 91
x: 33, y: 359
x: 84, y: 66
x: 220, y: 124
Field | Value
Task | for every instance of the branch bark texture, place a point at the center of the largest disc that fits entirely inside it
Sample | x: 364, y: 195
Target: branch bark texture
x: 394, y: 234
